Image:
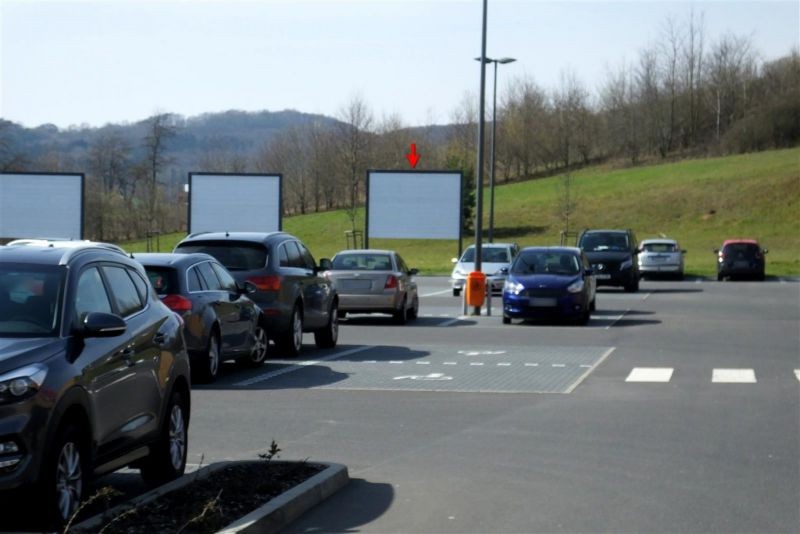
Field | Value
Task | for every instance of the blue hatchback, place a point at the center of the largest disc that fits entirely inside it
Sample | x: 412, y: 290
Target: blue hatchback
x: 546, y: 282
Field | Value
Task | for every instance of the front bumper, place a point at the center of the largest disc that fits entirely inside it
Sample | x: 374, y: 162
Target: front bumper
x: 617, y: 278
x: 23, y: 423
x: 567, y: 305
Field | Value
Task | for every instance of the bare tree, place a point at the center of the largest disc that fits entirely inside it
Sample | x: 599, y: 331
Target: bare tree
x: 109, y: 165
x: 160, y: 129
x: 354, y: 145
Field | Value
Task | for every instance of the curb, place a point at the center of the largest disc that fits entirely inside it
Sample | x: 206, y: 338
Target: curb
x: 270, y: 517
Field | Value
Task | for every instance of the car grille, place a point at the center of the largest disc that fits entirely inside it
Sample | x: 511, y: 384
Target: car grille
x: 605, y: 267
x: 543, y: 293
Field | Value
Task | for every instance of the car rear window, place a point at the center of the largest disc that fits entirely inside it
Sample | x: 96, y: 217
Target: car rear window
x: 234, y: 255
x: 599, y: 242
x: 362, y: 262
x: 659, y: 247
x: 745, y: 250
x: 163, y: 279
x: 488, y: 255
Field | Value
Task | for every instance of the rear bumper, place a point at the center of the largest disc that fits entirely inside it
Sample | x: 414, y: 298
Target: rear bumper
x: 369, y: 303
x: 660, y: 268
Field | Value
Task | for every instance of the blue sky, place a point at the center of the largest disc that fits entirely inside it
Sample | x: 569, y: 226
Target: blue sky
x: 95, y: 62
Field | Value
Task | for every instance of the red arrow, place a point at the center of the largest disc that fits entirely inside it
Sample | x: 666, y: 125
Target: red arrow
x: 413, y: 158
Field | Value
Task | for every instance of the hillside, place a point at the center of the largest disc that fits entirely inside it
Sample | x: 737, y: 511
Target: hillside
x: 698, y: 202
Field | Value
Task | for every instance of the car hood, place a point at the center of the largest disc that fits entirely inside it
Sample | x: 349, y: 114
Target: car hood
x: 545, y: 281
x: 486, y: 268
x: 18, y: 352
x: 607, y: 255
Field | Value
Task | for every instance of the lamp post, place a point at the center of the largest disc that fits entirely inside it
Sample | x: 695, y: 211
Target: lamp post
x: 502, y: 61
x: 481, y: 127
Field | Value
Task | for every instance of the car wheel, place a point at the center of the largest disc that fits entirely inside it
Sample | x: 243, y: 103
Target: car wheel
x: 413, y: 313
x: 456, y: 292
x: 209, y: 360
x: 167, y: 461
x: 327, y: 338
x: 720, y: 278
x: 633, y: 287
x: 258, y: 353
x: 593, y: 304
x: 291, y: 341
x: 65, y: 475
x: 401, y: 314
x: 506, y: 319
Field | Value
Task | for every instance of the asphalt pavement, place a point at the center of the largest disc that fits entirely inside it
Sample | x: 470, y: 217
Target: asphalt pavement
x: 676, y: 409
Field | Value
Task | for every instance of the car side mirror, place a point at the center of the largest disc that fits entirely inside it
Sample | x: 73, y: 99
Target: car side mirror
x: 96, y: 324
x: 454, y: 260
x: 413, y: 272
x: 325, y: 264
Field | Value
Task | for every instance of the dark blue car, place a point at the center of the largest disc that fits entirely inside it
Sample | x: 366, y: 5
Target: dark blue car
x: 548, y: 282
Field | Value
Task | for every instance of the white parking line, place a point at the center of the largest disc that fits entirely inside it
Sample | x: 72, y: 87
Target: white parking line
x: 733, y: 376
x: 646, y: 296
x: 297, y: 367
x: 602, y: 358
x: 450, y: 322
x: 476, y: 363
x: 396, y: 362
x: 504, y: 364
x: 559, y: 365
x: 450, y: 363
x: 617, y: 319
x: 435, y: 293
x: 650, y: 374
x: 423, y: 363
x: 531, y: 365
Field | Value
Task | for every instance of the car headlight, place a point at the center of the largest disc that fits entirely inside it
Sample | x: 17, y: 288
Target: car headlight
x: 575, y: 287
x: 21, y: 383
x: 627, y: 264
x: 515, y: 288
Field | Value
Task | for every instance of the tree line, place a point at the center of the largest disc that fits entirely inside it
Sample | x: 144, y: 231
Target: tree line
x: 682, y: 96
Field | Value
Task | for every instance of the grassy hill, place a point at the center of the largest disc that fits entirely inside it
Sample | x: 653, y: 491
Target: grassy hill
x: 698, y: 202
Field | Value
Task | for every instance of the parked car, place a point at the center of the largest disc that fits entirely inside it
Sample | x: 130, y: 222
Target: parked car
x: 374, y: 281
x: 61, y: 243
x: 94, y: 375
x: 220, y: 321
x: 612, y: 254
x: 494, y: 258
x: 293, y: 295
x: 741, y: 258
x: 661, y: 257
x: 549, y: 282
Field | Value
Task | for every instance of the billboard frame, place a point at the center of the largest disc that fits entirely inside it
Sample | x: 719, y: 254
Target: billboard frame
x: 419, y: 171
x: 247, y: 174
x: 82, y: 207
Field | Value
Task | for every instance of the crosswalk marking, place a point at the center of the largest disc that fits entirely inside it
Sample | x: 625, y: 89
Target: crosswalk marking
x: 650, y: 374
x: 733, y: 376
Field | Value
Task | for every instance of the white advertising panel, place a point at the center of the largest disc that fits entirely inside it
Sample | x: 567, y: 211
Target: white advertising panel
x: 234, y: 202
x: 41, y: 205
x: 414, y: 204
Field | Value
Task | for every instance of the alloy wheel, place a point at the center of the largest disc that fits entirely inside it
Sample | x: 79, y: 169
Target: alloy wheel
x: 259, y: 351
x: 69, y: 480
x: 177, y: 437
x: 213, y: 356
x: 297, y: 330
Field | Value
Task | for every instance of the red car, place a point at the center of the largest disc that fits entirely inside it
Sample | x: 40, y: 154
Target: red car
x: 740, y: 258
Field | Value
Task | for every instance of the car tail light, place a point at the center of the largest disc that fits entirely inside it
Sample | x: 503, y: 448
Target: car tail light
x: 177, y: 303
x: 391, y: 282
x: 266, y: 283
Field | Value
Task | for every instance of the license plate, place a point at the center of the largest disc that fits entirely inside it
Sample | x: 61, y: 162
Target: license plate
x: 603, y: 276
x: 741, y: 264
x: 540, y: 302
x: 356, y: 284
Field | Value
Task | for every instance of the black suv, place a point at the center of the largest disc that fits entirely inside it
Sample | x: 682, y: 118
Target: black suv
x: 293, y: 295
x: 612, y: 254
x: 94, y: 375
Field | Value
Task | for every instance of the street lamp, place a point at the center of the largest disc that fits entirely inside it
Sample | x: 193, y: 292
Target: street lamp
x: 502, y: 61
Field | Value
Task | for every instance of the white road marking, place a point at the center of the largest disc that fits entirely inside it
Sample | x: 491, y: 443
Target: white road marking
x: 733, y: 376
x: 297, y: 367
x: 450, y: 363
x: 450, y: 322
x: 370, y: 361
x: 577, y: 383
x: 617, y: 319
x: 650, y: 374
x: 396, y: 362
x: 797, y: 374
x: 531, y: 365
x: 504, y: 364
x: 585, y: 365
x: 432, y: 376
x: 646, y: 296
x: 423, y: 363
x: 476, y: 363
x: 559, y: 365
x: 481, y: 352
x: 435, y: 293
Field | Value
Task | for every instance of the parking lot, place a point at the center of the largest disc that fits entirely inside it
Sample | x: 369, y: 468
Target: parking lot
x: 676, y: 409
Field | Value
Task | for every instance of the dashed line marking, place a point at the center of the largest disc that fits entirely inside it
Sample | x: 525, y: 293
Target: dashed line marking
x: 531, y: 365
x: 733, y: 376
x: 396, y: 362
x: 646, y: 296
x: 588, y: 371
x: 423, y: 363
x: 558, y: 365
x: 476, y: 363
x: 450, y: 363
x: 585, y: 365
x: 650, y: 374
x: 370, y: 361
x: 297, y: 367
x: 504, y: 364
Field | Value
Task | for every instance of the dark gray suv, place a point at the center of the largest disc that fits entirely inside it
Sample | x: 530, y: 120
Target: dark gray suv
x: 612, y: 254
x: 292, y: 293
x: 94, y: 375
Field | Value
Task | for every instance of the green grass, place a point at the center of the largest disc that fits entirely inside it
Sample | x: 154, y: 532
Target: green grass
x: 698, y: 202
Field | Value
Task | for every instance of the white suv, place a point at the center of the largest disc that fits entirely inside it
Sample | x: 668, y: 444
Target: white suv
x: 494, y: 257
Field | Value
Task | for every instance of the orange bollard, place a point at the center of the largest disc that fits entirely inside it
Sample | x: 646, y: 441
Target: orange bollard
x: 475, y: 290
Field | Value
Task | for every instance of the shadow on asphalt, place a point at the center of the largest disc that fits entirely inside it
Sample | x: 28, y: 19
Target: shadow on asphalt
x: 359, y: 503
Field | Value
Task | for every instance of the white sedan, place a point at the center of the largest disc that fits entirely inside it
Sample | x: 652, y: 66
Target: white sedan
x: 661, y: 257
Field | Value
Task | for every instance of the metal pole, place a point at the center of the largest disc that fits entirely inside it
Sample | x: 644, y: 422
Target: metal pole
x: 491, y: 176
x: 481, y: 132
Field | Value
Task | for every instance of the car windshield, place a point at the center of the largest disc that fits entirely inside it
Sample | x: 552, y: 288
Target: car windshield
x: 659, y: 247
x: 488, y: 255
x: 235, y: 256
x: 163, y: 279
x: 30, y: 300
x: 362, y: 262
x: 538, y: 262
x: 598, y: 242
x: 741, y: 250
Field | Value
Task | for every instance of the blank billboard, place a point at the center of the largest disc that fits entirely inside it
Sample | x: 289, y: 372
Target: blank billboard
x: 234, y: 202
x: 41, y: 205
x: 413, y: 204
